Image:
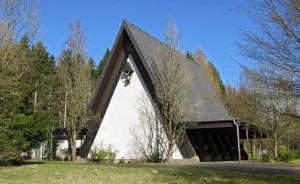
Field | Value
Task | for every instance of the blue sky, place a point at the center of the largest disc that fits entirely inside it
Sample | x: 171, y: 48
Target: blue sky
x: 207, y: 24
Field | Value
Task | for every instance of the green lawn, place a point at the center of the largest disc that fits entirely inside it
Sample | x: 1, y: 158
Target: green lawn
x: 67, y: 172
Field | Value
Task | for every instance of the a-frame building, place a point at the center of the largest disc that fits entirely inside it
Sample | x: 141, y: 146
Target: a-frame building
x: 213, y: 138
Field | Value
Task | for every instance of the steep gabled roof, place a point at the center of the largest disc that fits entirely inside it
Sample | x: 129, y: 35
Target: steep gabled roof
x: 147, y: 46
x: 143, y: 47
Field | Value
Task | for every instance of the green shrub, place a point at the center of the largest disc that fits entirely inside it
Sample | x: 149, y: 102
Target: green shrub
x: 154, y: 158
x: 111, y: 155
x: 296, y: 154
x: 284, y: 155
x: 101, y: 155
x: 267, y: 157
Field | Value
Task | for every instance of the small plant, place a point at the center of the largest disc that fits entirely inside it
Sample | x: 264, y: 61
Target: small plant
x: 101, y: 155
x: 111, y: 155
x: 104, y: 155
x: 154, y: 158
x: 268, y: 157
x: 284, y: 155
x: 296, y: 154
x: 122, y: 160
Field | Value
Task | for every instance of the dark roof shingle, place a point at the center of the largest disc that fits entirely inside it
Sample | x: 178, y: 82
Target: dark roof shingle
x: 211, y: 108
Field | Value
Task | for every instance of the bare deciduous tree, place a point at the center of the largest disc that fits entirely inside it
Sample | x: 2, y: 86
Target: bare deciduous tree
x: 173, y: 84
x: 75, y: 73
x: 149, y: 139
x: 272, y: 104
x: 17, y: 18
x: 211, y: 72
x: 265, y: 106
x: 271, y: 86
x: 77, y: 40
x: 276, y: 44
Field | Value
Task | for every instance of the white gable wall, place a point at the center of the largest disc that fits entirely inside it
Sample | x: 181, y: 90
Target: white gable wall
x: 121, y: 115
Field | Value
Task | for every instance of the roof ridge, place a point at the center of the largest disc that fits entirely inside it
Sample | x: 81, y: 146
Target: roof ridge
x: 146, y: 33
x: 156, y: 39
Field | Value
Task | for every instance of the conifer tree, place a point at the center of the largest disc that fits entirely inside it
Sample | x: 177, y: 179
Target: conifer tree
x: 102, y: 64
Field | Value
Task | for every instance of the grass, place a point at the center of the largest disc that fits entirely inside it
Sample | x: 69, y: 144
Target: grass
x: 67, y: 172
x: 297, y: 161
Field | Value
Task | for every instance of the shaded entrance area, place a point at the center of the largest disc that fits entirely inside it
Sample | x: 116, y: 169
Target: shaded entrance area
x: 62, y: 135
x: 218, y: 140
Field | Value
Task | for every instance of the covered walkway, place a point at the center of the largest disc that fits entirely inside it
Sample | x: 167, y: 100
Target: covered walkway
x: 218, y: 140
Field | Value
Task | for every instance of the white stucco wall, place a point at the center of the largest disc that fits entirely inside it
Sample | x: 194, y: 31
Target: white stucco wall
x: 121, y: 115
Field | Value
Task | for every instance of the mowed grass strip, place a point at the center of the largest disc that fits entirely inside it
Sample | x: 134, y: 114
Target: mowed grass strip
x: 68, y: 172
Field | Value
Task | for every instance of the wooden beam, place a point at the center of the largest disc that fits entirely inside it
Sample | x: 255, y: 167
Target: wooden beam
x: 212, y: 125
x: 187, y: 147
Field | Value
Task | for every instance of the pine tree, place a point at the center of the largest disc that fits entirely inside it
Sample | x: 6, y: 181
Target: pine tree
x: 18, y: 29
x: 102, y: 64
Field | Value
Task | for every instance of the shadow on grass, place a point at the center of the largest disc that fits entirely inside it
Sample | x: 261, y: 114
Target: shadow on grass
x: 16, y: 162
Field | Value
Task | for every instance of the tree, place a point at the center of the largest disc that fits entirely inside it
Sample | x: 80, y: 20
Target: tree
x: 75, y: 74
x: 18, y: 27
x: 274, y: 78
x: 93, y: 82
x: 18, y: 18
x: 149, y: 139
x: 211, y: 72
x: 265, y: 106
x: 276, y: 44
x: 272, y: 104
x: 102, y: 64
x: 172, y: 86
x: 43, y: 76
x: 189, y: 55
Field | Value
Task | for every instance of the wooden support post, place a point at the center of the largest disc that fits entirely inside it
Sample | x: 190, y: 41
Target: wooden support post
x: 254, y: 146
x: 189, y: 149
x: 247, y: 141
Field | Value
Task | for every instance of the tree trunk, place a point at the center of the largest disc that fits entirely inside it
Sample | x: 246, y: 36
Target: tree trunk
x: 254, y: 147
x: 169, y: 152
x: 51, y: 145
x: 35, y: 97
x: 60, y: 116
x: 49, y: 103
x: 73, y: 144
x: 275, y: 147
x: 65, y: 113
x: 89, y: 92
x: 157, y: 140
